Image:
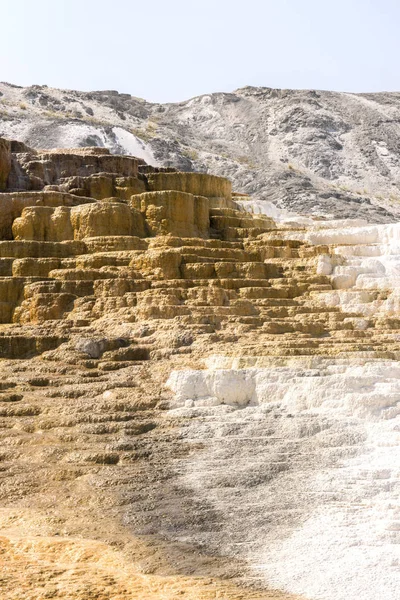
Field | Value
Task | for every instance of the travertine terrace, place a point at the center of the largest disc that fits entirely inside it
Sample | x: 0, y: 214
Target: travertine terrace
x: 196, y: 399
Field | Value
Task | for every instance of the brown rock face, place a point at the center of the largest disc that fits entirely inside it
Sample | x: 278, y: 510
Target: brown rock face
x: 12, y: 205
x: 106, y: 219
x: 44, y: 224
x: 191, y: 183
x: 173, y: 212
x: 5, y: 162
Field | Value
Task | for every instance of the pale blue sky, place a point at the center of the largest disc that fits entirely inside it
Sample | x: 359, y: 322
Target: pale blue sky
x: 172, y: 50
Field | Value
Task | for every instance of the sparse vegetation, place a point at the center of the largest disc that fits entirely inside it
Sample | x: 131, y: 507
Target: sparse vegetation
x: 140, y: 133
x: 94, y: 121
x: 295, y: 168
x: 191, y: 153
x: 50, y: 114
x: 145, y: 134
x: 244, y: 160
x: 151, y: 127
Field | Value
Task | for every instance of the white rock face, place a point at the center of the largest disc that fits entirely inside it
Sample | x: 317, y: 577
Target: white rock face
x: 302, y: 463
x: 368, y: 390
x: 134, y: 146
x: 233, y: 387
x: 363, y: 260
x: 280, y: 216
x: 314, y: 453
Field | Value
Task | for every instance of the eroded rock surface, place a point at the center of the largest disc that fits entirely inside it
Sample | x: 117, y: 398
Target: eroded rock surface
x: 5, y: 162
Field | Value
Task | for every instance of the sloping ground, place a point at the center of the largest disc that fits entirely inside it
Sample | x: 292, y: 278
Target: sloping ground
x: 313, y: 152
x: 195, y: 399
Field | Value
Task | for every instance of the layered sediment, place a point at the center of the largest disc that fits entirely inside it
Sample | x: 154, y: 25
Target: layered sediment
x: 198, y: 396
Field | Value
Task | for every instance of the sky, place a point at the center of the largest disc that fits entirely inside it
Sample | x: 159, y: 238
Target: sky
x: 169, y: 51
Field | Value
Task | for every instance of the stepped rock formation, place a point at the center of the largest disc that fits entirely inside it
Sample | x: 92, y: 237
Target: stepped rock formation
x: 196, y: 398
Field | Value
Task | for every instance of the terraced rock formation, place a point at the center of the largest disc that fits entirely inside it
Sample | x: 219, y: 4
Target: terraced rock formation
x: 196, y: 399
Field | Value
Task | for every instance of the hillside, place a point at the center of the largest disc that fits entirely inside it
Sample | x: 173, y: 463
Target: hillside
x: 313, y: 152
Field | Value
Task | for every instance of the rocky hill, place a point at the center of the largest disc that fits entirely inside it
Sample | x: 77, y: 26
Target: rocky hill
x: 317, y: 153
x: 196, y: 400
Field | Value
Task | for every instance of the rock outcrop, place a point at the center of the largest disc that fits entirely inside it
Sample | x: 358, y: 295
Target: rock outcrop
x: 186, y: 384
x: 5, y: 162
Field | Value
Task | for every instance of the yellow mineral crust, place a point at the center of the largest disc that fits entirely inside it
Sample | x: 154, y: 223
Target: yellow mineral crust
x: 192, y: 183
x: 12, y: 205
x: 76, y: 569
x: 175, y: 213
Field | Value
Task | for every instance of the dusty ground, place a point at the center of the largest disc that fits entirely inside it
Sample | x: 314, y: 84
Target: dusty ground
x: 87, y: 489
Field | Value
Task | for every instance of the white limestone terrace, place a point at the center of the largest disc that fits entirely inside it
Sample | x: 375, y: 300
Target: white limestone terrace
x: 362, y: 260
x: 300, y: 457
x: 302, y: 464
x: 364, y: 267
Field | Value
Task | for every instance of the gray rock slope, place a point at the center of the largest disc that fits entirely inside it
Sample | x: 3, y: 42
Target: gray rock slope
x: 318, y: 153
